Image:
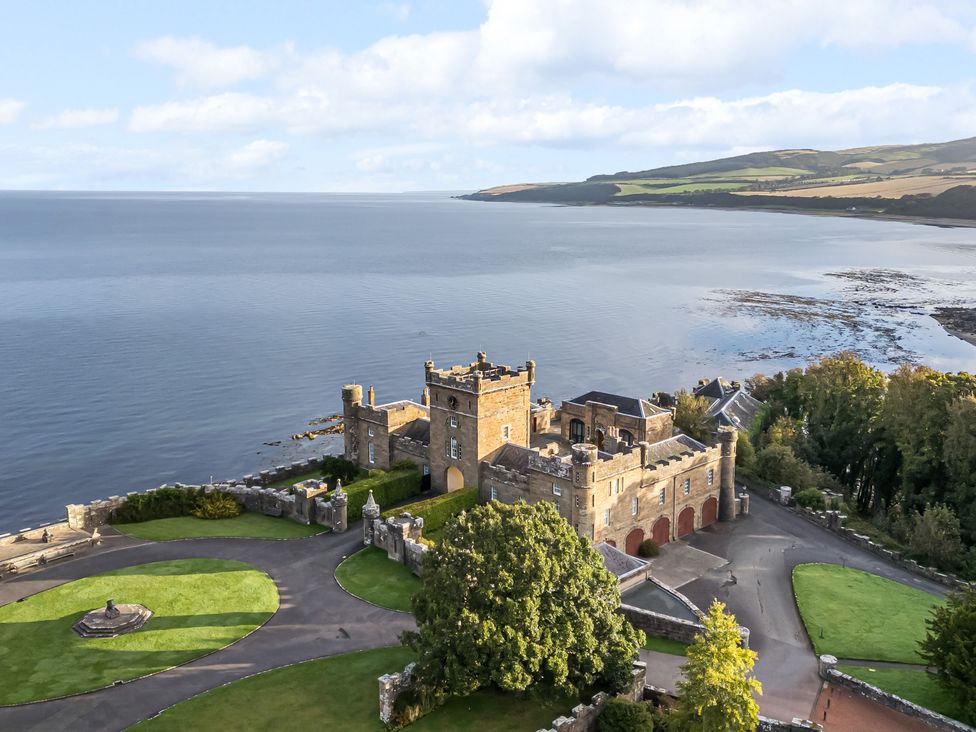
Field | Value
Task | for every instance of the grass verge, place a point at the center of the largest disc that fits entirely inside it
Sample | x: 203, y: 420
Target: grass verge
x: 245, y: 526
x: 369, y: 574
x: 666, y: 645
x: 199, y: 606
x: 915, y: 686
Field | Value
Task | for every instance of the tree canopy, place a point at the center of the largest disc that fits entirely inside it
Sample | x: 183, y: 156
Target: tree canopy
x: 949, y: 649
x: 512, y: 597
x: 691, y: 417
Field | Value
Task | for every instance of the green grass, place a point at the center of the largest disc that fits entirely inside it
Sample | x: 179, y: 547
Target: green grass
x: 755, y: 172
x: 666, y: 645
x: 340, y: 693
x: 863, y: 616
x: 288, y: 482
x: 915, y: 686
x: 629, y: 189
x: 245, y: 526
x: 372, y: 576
x: 199, y: 606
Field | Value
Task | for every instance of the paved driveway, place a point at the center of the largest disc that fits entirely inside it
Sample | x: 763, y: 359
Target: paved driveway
x: 756, y: 585
x: 316, y: 618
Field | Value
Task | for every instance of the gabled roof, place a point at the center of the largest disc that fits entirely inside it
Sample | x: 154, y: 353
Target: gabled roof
x: 418, y: 430
x: 625, y: 405
x: 717, y: 388
x: 737, y: 410
x: 672, y: 448
x: 513, y: 457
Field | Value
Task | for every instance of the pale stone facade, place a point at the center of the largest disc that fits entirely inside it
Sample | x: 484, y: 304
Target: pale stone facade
x: 612, y: 464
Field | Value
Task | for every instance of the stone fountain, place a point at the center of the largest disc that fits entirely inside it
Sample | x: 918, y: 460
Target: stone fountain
x: 112, y: 620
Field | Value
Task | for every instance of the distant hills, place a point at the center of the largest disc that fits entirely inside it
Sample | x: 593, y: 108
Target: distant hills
x: 930, y: 181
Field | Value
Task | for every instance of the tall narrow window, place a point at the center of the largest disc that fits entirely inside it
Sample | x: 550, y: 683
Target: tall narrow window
x: 606, y: 517
x: 662, y: 496
x: 453, y: 420
x: 506, y: 431
x: 711, y: 476
x: 557, y: 506
x: 687, y: 486
x: 494, y: 493
x: 455, y: 450
x: 557, y: 489
x: 633, y: 506
x: 371, y: 449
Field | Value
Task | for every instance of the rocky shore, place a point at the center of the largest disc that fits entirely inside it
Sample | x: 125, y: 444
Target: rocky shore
x: 960, y: 322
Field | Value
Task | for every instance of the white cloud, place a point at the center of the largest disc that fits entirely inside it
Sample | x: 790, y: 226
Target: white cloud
x: 77, y: 118
x: 230, y: 111
x: 256, y: 155
x: 200, y: 63
x: 10, y: 110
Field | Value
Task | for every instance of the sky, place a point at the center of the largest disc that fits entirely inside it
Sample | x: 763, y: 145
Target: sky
x: 295, y: 95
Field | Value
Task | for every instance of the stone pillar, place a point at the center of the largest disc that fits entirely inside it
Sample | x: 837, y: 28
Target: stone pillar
x: 371, y: 512
x: 726, y: 496
x: 339, y: 502
x: 744, y: 501
x: 825, y: 664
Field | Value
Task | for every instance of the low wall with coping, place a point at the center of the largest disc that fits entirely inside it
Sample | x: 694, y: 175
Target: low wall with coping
x: 666, y: 626
x: 583, y: 717
x: 399, y: 536
x: 829, y: 673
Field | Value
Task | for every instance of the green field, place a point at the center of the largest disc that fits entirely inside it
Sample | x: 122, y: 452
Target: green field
x: 245, y: 526
x: 369, y: 574
x: 755, y: 172
x: 629, y: 189
x: 861, y: 615
x: 915, y: 686
x: 339, y: 693
x: 199, y: 606
x: 666, y: 645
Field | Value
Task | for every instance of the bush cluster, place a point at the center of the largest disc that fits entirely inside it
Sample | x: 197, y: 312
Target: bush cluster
x: 387, y: 488
x: 438, y: 510
x: 648, y: 548
x: 161, y: 503
x: 339, y: 468
x: 811, y: 498
x: 217, y: 505
x: 403, y: 464
x: 623, y: 715
x: 411, y: 705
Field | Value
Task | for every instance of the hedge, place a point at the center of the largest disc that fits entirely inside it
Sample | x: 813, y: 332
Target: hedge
x: 438, y: 510
x: 160, y: 503
x: 388, y: 488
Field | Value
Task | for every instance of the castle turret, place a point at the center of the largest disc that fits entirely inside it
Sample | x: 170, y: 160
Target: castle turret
x: 726, y: 497
x: 352, y: 400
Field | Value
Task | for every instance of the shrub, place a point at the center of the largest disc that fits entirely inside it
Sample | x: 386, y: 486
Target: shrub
x: 778, y: 464
x: 217, y: 505
x: 948, y: 648
x: 648, y: 548
x: 411, y: 705
x: 375, y: 473
x: 340, y: 469
x: 160, y: 503
x: 745, y: 453
x: 403, y: 464
x: 936, y: 537
x: 622, y: 715
x: 388, y: 488
x: 811, y: 498
x: 437, y: 511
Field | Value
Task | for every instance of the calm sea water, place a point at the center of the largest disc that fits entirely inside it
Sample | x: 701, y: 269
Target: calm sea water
x: 155, y: 338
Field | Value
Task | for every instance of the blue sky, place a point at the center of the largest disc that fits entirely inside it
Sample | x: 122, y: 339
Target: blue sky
x: 391, y: 96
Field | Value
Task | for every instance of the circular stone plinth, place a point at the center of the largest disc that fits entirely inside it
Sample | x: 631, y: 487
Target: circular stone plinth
x: 98, y: 624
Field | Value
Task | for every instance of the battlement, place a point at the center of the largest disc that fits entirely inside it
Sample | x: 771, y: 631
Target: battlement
x: 481, y: 376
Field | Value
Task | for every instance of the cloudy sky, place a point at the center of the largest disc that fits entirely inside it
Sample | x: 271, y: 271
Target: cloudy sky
x: 296, y: 95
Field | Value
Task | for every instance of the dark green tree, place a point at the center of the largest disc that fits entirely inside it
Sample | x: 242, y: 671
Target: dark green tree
x: 622, y: 715
x: 778, y: 465
x: 691, y: 417
x: 936, y: 537
x: 512, y: 597
x: 745, y: 453
x: 959, y: 453
x: 949, y: 649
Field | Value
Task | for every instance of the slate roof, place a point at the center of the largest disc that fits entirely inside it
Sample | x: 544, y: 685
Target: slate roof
x: 513, y: 457
x: 737, y: 410
x: 625, y: 405
x: 418, y: 430
x: 714, y: 389
x: 673, y: 448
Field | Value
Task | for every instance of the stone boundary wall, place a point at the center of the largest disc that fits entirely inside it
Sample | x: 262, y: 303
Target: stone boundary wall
x: 583, y: 717
x: 665, y: 626
x: 833, y: 521
x: 933, y: 719
x: 44, y: 553
x: 399, y: 536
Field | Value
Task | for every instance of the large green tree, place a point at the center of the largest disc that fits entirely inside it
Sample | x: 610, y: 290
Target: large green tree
x: 936, y: 537
x: 512, y: 597
x: 959, y: 452
x: 950, y: 649
x: 691, y: 416
x: 717, y: 691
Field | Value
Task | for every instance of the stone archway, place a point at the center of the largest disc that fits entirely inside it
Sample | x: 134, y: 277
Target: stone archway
x: 454, y: 479
x: 661, y: 533
x: 599, y: 440
x: 686, y: 521
x: 634, y: 539
x: 709, y: 512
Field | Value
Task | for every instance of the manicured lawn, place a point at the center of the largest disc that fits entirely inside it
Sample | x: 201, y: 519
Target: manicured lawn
x: 369, y: 574
x: 340, y: 693
x: 863, y: 616
x: 666, y: 645
x: 199, y: 605
x: 245, y: 526
x: 916, y: 686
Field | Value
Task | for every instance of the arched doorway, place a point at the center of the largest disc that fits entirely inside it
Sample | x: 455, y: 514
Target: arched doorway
x: 627, y: 437
x: 577, y: 431
x: 686, y: 521
x: 455, y: 479
x: 709, y: 512
x: 661, y: 531
x: 634, y: 539
x: 599, y: 439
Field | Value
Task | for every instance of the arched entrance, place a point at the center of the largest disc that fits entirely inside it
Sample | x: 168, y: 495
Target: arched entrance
x: 634, y: 539
x: 709, y: 512
x: 599, y: 439
x: 455, y: 479
x: 686, y: 521
x: 661, y: 532
x: 577, y: 431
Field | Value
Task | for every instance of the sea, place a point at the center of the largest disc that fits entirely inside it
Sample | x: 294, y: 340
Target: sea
x: 155, y: 338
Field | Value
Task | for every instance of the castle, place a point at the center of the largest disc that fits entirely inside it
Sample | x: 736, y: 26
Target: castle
x: 611, y: 464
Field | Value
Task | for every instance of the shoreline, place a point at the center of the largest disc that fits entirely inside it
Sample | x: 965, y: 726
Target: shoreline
x: 958, y: 322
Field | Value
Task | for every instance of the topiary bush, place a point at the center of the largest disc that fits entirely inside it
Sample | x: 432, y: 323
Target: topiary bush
x: 217, y: 505
x: 438, y: 510
x: 648, y: 548
x: 623, y: 715
x: 811, y: 498
x: 388, y: 488
x: 160, y: 503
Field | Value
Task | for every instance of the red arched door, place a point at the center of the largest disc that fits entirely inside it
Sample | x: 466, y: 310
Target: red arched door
x: 662, y: 531
x: 709, y: 512
x: 634, y: 539
x: 686, y: 521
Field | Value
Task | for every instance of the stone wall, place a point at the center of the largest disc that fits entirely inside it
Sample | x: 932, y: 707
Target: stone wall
x: 399, y: 536
x: 583, y: 717
x: 937, y: 721
x: 391, y: 686
x: 33, y: 547
x: 665, y: 626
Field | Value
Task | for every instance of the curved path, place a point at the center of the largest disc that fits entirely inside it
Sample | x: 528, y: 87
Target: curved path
x: 757, y: 586
x: 316, y: 618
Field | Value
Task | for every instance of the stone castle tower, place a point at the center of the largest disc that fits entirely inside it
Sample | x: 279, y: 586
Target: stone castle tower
x: 474, y: 411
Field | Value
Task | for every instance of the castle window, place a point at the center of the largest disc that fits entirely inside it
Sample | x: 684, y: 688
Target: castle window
x: 426, y: 469
x: 577, y: 431
x: 506, y: 431
x: 687, y: 486
x: 453, y: 420
x: 593, y: 500
x: 369, y: 431
x: 579, y: 477
x: 606, y: 517
x: 618, y: 485
x: 455, y: 449
x: 557, y: 489
x: 711, y: 476
x: 371, y: 449
x: 494, y: 493
x: 557, y: 506
x: 577, y: 502
x: 633, y: 506
x: 662, y: 496
x: 627, y: 437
